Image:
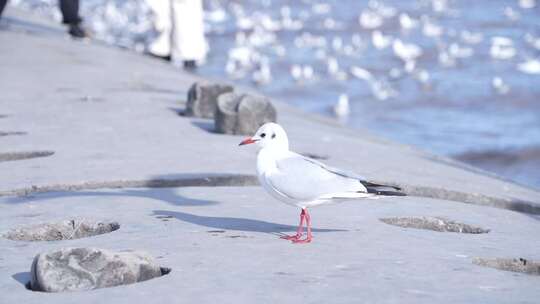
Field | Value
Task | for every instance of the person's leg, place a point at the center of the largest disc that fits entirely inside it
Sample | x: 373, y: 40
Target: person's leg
x: 70, y: 16
x: 161, y: 46
x: 2, y: 5
x: 189, y: 44
x: 70, y: 11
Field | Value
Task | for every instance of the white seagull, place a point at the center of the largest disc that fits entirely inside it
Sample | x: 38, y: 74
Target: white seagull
x: 303, y: 182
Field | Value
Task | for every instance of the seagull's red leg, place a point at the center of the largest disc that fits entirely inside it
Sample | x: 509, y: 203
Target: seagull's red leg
x: 300, y: 230
x: 308, y: 224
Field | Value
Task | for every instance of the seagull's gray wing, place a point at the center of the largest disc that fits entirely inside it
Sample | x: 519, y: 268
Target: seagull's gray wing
x: 304, y: 179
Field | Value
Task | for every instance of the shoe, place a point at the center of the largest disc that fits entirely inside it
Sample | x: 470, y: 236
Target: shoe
x: 190, y: 64
x: 166, y: 58
x: 76, y: 31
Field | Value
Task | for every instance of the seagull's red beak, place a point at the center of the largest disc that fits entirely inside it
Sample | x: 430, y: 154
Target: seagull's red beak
x: 246, y: 141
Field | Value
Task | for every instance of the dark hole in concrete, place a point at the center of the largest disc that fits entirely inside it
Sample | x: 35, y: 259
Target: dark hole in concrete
x: 516, y: 265
x: 433, y: 223
x: 10, y: 133
x: 88, y: 98
x: 237, y: 236
x: 64, y: 230
x: 216, y: 231
x: 24, y: 155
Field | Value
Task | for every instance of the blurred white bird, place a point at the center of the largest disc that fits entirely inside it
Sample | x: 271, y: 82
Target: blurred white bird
x: 502, y: 48
x: 263, y: 74
x: 471, y: 38
x: 406, y: 22
x: 431, y: 29
x: 307, y: 72
x: 342, y: 108
x: 369, y: 19
x: 527, y: 4
x: 531, y: 66
x: 406, y: 51
x: 296, y: 72
x: 499, y: 85
x: 379, y: 40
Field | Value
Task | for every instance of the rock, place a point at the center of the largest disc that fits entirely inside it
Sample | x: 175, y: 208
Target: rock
x: 76, y: 269
x: 202, y: 98
x: 63, y: 230
x: 242, y: 114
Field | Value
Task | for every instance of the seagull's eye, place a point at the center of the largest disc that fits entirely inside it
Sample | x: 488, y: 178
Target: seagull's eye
x: 273, y: 135
x: 263, y: 135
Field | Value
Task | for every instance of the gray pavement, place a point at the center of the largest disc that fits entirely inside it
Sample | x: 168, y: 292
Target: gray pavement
x: 88, y: 117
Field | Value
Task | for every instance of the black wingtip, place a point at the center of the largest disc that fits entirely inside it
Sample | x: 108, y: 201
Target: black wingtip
x: 381, y: 189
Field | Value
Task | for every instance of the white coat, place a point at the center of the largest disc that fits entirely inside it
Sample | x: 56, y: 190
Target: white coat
x: 181, y: 29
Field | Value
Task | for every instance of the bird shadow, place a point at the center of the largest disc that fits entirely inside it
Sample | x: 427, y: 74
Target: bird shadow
x: 234, y: 223
x: 204, y: 125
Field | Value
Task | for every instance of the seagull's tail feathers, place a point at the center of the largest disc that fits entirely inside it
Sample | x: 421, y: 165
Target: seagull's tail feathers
x: 380, y: 189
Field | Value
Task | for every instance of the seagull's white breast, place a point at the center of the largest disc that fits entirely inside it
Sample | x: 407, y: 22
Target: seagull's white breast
x: 266, y: 167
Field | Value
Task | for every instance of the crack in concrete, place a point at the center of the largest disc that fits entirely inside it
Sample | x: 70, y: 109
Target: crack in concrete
x: 10, y: 156
x: 8, y: 133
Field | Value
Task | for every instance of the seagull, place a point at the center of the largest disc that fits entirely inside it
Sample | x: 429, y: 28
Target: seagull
x: 342, y: 108
x: 303, y: 182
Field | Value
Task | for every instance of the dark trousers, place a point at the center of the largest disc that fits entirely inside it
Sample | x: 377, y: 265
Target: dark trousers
x: 69, y: 9
x: 2, y: 5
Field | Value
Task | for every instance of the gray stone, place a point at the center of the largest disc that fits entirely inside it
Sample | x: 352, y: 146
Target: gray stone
x: 63, y: 230
x: 243, y: 114
x: 77, y: 269
x: 202, y: 98
x: 433, y: 223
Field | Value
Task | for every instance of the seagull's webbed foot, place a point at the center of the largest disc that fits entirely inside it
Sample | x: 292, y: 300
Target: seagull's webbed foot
x: 297, y: 238
x: 302, y: 241
x: 300, y: 230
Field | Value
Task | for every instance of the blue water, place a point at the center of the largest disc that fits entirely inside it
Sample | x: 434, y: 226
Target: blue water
x: 461, y: 97
x: 457, y: 112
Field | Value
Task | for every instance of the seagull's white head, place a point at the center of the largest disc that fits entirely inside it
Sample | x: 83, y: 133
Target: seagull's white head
x: 271, y: 136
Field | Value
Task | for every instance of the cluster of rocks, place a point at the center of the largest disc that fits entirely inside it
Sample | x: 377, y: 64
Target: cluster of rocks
x: 233, y: 113
x: 76, y: 269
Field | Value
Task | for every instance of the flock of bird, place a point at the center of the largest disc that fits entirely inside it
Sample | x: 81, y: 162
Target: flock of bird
x: 262, y: 43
